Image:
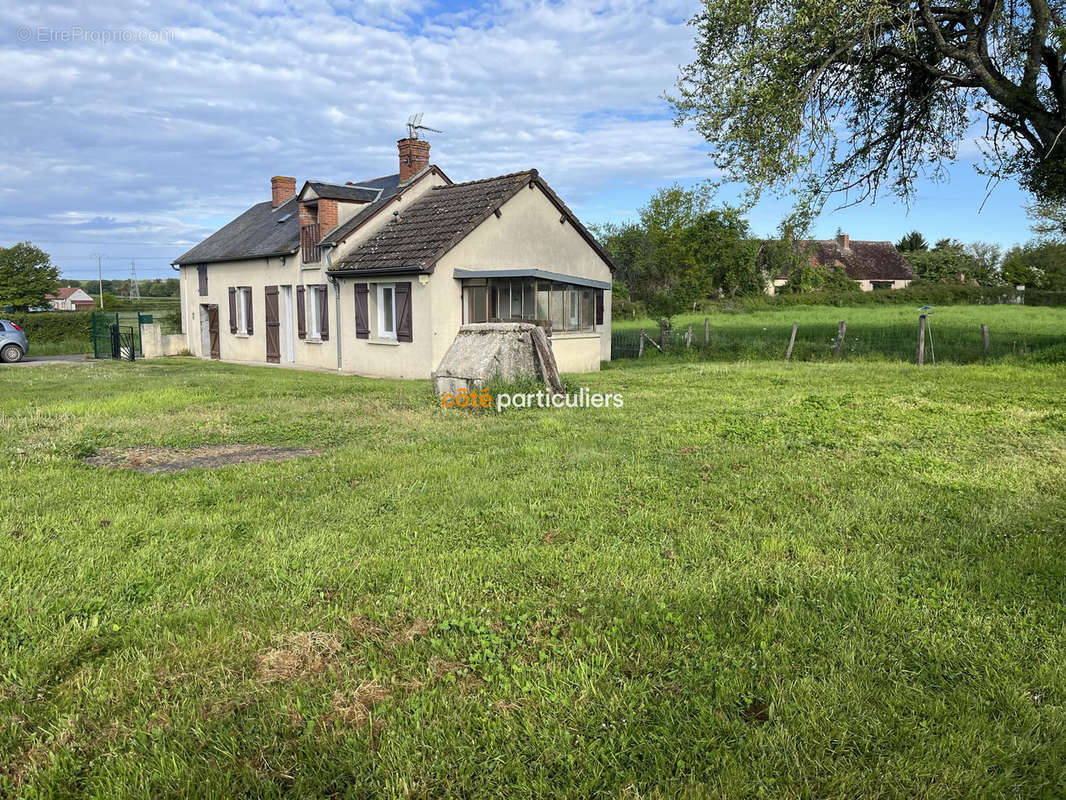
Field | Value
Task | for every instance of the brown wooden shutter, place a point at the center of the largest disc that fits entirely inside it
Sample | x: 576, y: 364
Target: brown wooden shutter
x: 232, y: 309
x: 403, y: 311
x: 301, y: 314
x: 362, y: 311
x: 599, y: 306
x: 248, y: 308
x: 201, y: 274
x: 323, y: 311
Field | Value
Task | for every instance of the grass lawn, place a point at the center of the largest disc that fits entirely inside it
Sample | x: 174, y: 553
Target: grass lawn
x: 753, y: 580
x: 888, y: 331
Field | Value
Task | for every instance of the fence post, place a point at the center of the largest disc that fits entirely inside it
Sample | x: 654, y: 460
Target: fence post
x: 640, y: 350
x: 688, y: 337
x: 921, y: 339
x: 791, y: 341
x: 984, y: 334
x: 706, y: 330
x: 841, y: 329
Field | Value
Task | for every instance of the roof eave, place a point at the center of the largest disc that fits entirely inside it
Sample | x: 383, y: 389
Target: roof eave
x: 184, y: 262
x: 411, y: 269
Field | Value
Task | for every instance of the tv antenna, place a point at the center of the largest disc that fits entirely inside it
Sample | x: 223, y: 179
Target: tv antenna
x: 414, y: 125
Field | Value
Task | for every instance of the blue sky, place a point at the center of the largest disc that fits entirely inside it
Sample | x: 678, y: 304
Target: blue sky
x: 134, y: 130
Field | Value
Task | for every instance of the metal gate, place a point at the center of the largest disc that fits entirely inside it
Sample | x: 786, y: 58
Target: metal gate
x: 112, y: 339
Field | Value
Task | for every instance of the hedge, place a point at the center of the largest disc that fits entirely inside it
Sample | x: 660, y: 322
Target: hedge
x: 54, y: 326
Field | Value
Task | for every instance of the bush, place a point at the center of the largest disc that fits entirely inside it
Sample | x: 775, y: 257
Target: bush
x: 921, y: 294
x: 55, y: 326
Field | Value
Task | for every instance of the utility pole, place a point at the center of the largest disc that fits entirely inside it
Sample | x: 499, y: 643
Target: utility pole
x: 135, y: 290
x: 100, y: 278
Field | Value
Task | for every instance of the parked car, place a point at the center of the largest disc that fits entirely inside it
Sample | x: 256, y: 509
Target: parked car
x: 13, y: 342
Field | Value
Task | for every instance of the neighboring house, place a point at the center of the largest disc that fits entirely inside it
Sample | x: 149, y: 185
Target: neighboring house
x: 873, y: 265
x: 70, y: 298
x: 375, y: 277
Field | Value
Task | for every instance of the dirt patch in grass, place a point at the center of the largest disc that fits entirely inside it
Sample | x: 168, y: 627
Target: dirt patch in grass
x: 153, y: 460
x: 353, y: 707
x: 300, y: 655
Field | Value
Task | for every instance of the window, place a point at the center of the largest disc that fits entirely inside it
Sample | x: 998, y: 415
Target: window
x: 244, y: 309
x: 567, y: 306
x: 201, y: 275
x: 476, y: 308
x: 386, y: 311
x: 880, y: 285
x: 316, y: 301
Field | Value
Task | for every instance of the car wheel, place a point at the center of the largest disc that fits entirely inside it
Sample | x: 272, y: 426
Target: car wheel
x: 10, y: 353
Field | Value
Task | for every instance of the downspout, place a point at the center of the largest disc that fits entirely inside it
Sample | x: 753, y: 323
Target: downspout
x: 336, y: 301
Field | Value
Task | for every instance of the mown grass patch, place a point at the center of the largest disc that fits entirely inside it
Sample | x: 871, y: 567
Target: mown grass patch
x: 820, y: 579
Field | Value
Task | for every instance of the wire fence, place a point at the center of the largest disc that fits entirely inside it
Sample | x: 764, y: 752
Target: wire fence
x: 818, y: 342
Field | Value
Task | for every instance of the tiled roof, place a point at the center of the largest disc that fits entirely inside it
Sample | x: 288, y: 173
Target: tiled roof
x: 864, y: 260
x: 260, y: 231
x: 432, y: 224
x: 348, y: 192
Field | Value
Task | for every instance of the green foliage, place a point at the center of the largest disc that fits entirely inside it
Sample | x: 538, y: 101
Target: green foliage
x: 66, y: 327
x: 1037, y: 265
x: 912, y: 242
x: 151, y: 287
x: 978, y: 262
x: 26, y: 276
x: 807, y: 277
x: 847, y: 97
x: 681, y: 252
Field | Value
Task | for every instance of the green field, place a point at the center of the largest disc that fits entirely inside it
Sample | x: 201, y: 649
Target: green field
x: 880, y: 332
x: 754, y: 580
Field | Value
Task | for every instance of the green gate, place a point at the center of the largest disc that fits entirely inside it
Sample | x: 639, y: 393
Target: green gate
x: 104, y: 323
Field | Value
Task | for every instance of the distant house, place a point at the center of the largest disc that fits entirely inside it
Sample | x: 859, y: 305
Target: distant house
x: 70, y: 298
x: 376, y: 277
x: 872, y: 265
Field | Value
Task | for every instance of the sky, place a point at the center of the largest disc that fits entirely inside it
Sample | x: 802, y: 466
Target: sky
x: 133, y: 129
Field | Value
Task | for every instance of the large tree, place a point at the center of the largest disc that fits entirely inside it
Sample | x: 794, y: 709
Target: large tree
x: 834, y: 96
x: 26, y: 276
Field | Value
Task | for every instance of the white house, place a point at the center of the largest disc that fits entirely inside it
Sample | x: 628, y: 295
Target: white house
x: 375, y: 277
x: 70, y: 298
x: 872, y: 265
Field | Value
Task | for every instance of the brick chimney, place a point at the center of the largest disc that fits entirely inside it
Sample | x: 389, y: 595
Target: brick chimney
x: 844, y: 240
x: 327, y: 215
x: 281, y: 189
x: 414, y: 157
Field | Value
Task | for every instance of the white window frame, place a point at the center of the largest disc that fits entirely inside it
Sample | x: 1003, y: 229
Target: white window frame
x: 314, y: 322
x: 243, y: 300
x: 382, y: 332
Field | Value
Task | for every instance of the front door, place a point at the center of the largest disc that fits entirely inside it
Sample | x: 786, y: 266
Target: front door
x: 273, y: 326
x: 212, y: 331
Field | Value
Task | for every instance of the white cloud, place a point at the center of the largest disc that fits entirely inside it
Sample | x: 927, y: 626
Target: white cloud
x: 180, y: 135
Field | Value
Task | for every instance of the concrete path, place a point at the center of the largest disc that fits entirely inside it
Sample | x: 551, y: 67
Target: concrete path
x: 36, y: 361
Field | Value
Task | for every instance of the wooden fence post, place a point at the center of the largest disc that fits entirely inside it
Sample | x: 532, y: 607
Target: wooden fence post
x: 985, y: 336
x: 688, y: 337
x: 841, y: 329
x: 921, y: 339
x: 640, y: 350
x: 791, y: 341
x: 706, y: 330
